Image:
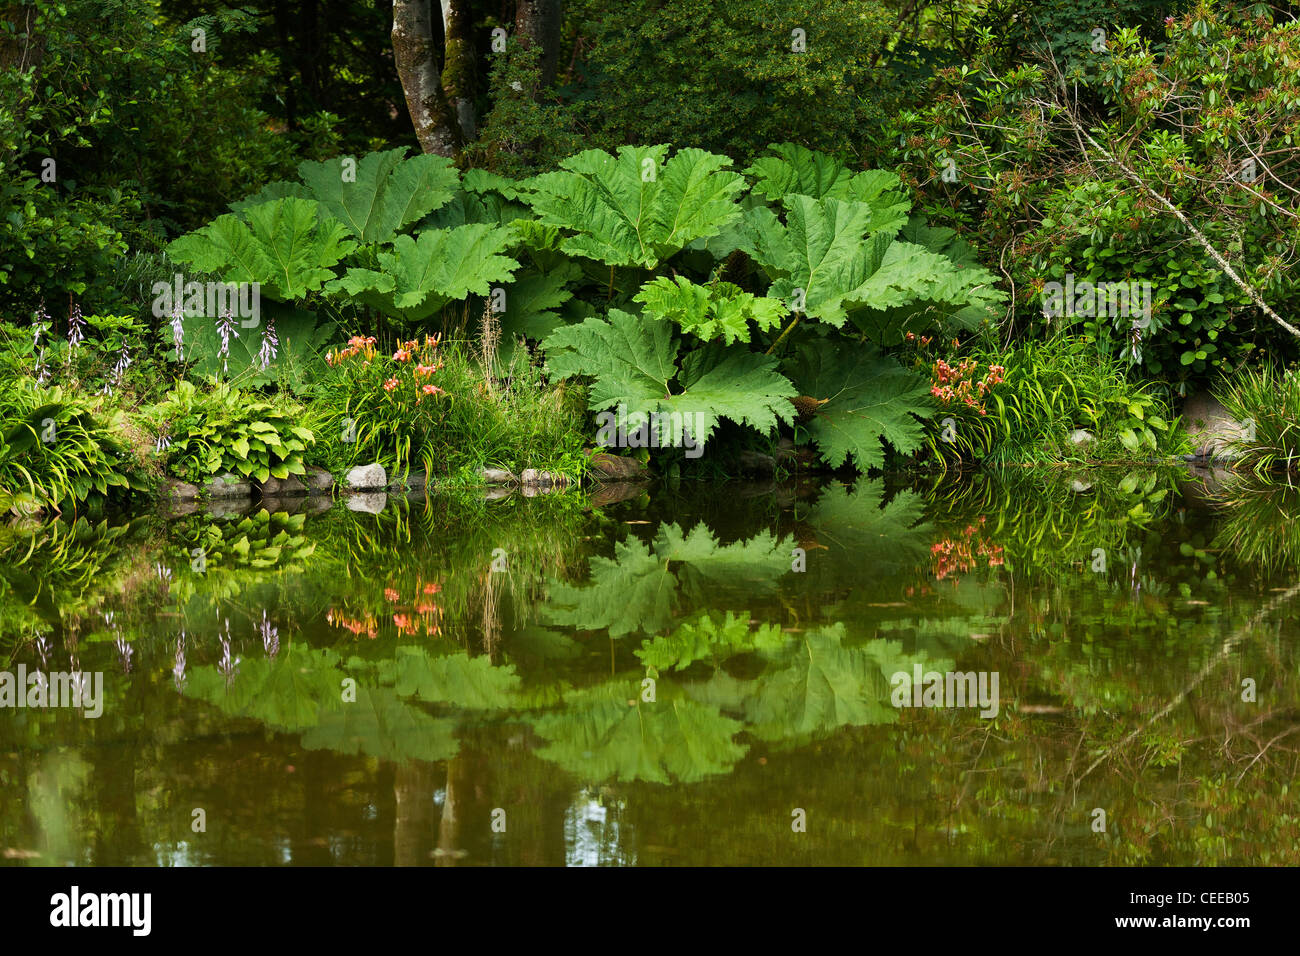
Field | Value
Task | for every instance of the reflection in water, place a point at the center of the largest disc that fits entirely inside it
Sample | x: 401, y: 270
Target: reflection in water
x: 592, y: 834
x: 666, y: 680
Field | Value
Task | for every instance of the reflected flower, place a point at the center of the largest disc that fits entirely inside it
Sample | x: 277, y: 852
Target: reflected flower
x: 178, y: 667
x: 270, y: 636
x: 228, y: 666
x: 124, y: 652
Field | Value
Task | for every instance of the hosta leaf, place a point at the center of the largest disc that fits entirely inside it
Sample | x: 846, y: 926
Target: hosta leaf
x: 870, y: 399
x: 279, y: 244
x: 389, y: 192
x: 423, y: 274
x: 634, y: 208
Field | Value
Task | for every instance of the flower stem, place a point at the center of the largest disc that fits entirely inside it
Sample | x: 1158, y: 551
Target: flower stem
x: 781, y: 338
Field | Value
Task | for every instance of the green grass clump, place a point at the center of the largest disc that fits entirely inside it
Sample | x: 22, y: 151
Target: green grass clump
x: 1047, y: 390
x: 1266, y: 401
x: 430, y: 405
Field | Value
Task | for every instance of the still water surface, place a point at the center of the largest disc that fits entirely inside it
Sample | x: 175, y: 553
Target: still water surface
x: 700, y: 674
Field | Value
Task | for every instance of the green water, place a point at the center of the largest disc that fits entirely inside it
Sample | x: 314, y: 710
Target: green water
x: 665, y: 679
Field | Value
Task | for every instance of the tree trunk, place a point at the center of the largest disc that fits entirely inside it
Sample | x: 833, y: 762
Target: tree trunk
x: 449, y: 825
x: 416, y: 56
x: 458, y: 65
x: 538, y: 22
x: 21, y: 47
x: 413, y: 803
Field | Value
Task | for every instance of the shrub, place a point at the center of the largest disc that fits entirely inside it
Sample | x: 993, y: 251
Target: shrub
x: 104, y: 354
x: 207, y: 433
x: 1068, y: 173
x: 730, y: 76
x: 116, y: 97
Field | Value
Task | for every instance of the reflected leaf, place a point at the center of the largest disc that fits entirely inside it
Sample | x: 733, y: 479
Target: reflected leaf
x: 378, y: 724
x: 288, y: 692
x: 639, y: 591
x: 815, y: 685
x: 601, y: 736
x: 878, y: 535
x: 456, y: 679
x: 709, y: 637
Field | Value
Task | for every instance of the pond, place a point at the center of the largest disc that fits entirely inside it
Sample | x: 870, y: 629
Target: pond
x: 701, y: 673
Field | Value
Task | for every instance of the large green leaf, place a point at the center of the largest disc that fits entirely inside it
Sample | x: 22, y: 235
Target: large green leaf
x: 280, y: 244
x: 825, y: 251
x: 289, y: 692
x: 860, y: 525
x: 378, y: 724
x: 711, y: 637
x: 298, y: 358
x: 869, y: 399
x: 532, y: 298
x: 458, y: 679
x: 633, y: 361
x: 281, y: 189
x: 636, y: 209
x: 911, y: 274
x: 423, y: 274
x: 720, y: 310
x: 798, y: 170
x: 387, y: 193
